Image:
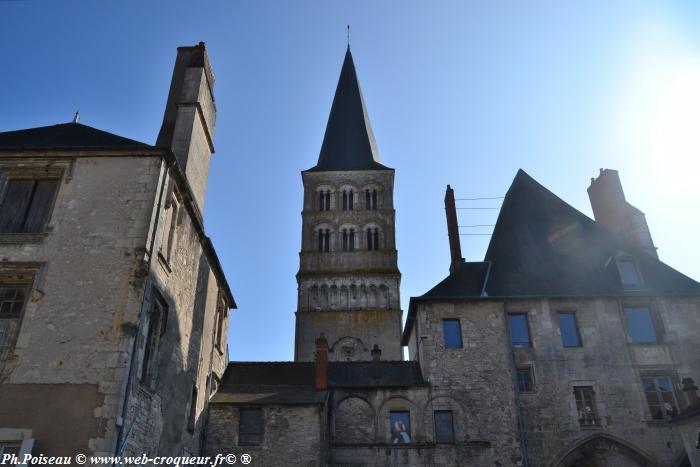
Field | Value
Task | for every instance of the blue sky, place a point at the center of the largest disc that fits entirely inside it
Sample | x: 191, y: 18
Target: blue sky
x: 458, y: 92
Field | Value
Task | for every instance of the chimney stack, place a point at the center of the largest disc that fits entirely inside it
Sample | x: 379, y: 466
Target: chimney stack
x: 452, y: 229
x: 190, y: 116
x: 321, y: 363
x: 612, y: 211
x: 376, y: 358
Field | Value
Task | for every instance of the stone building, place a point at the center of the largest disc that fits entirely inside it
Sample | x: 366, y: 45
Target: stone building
x: 113, y: 304
x: 570, y: 345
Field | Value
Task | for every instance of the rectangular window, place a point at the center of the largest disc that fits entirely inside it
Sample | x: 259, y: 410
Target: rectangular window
x: 26, y: 206
x: 628, y: 273
x: 400, y: 423
x: 525, y: 380
x: 444, y: 427
x: 250, y: 427
x: 13, y: 297
x: 519, y: 332
x: 192, y: 418
x: 568, y: 329
x: 452, y: 333
x: 660, y: 397
x: 640, y: 326
x: 585, y: 406
x: 157, y: 320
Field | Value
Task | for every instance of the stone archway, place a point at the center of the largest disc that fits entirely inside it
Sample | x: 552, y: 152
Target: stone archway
x: 604, y: 451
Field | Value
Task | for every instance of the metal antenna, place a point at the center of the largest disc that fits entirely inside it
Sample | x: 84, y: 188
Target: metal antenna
x: 348, y: 36
x: 76, y: 117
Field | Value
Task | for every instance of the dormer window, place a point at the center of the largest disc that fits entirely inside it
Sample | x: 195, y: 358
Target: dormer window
x: 629, y: 274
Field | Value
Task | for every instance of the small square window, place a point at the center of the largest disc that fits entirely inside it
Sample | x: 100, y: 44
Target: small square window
x: 640, y: 326
x: 568, y: 329
x: 444, y: 426
x: 519, y: 332
x: 525, y: 380
x: 250, y: 427
x: 400, y: 424
x: 26, y: 205
x: 452, y: 333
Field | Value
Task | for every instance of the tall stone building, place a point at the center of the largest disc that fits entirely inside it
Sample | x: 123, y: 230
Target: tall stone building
x: 570, y: 345
x: 348, y: 275
x: 113, y: 304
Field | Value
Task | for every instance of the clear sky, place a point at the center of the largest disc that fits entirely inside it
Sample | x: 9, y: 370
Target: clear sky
x: 458, y: 92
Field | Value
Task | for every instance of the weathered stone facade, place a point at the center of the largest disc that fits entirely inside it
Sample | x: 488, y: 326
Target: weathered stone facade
x: 83, y: 369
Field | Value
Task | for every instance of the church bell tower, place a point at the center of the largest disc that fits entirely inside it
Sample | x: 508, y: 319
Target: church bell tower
x: 348, y: 279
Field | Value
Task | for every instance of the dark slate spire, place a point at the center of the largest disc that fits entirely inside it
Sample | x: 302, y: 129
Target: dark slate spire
x: 349, y: 142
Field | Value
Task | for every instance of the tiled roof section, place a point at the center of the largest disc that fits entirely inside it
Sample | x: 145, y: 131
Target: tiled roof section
x: 348, y: 143
x: 542, y: 246
x: 292, y: 382
x: 66, y: 135
x: 466, y: 281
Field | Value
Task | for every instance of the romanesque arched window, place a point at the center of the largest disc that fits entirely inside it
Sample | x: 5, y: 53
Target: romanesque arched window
x: 348, y: 198
x: 324, y: 199
x: 372, y: 238
x: 371, y: 199
x: 348, y: 237
x: 323, y: 236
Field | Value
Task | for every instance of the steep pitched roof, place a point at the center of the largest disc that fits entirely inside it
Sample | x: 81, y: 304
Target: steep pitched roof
x: 65, y: 135
x: 543, y: 247
x: 348, y: 143
x: 292, y: 382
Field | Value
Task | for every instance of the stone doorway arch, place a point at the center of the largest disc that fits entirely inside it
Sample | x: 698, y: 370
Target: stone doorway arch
x: 603, y: 450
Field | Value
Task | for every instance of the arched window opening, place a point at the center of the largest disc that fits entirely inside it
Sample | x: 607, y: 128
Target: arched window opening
x: 324, y: 237
x: 324, y: 200
x: 348, y: 200
x: 372, y: 239
x: 371, y: 199
x: 348, y: 241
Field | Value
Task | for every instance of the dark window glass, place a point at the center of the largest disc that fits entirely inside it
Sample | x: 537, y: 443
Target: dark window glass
x: 351, y: 200
x: 345, y: 200
x: 345, y: 240
x: 157, y: 319
x: 519, y: 332
x: 452, y: 333
x: 250, y: 427
x: 525, y: 383
x: 585, y: 406
x: 192, y: 418
x: 660, y: 397
x: 328, y: 200
x: 640, y: 326
x: 569, y: 330
x: 628, y: 273
x: 26, y: 204
x: 375, y: 242
x: 327, y: 241
x: 11, y: 302
x: 368, y: 204
x: 321, y: 199
x: 351, y: 240
x: 444, y: 427
x: 320, y: 240
x: 369, y: 240
x: 374, y: 199
x: 400, y: 423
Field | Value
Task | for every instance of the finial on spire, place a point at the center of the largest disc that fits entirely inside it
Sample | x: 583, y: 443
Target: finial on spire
x: 76, y: 117
x: 348, y: 36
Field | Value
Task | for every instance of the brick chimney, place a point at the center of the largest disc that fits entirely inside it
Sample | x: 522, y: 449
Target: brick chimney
x: 612, y: 211
x: 376, y: 361
x: 453, y: 229
x: 321, y: 363
x: 190, y: 115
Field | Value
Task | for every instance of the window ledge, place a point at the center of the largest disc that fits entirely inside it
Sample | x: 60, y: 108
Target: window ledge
x: 19, y: 238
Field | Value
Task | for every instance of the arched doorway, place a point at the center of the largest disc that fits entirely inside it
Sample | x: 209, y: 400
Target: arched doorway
x: 604, y: 451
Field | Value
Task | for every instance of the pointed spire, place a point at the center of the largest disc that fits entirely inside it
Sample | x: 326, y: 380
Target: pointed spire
x: 349, y: 142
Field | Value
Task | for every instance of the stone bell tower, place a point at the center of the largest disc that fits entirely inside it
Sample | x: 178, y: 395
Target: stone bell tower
x: 348, y: 279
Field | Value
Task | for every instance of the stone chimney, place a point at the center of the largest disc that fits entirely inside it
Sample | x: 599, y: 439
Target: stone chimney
x: 376, y: 359
x: 612, y: 211
x: 190, y: 115
x: 321, y: 364
x: 453, y: 229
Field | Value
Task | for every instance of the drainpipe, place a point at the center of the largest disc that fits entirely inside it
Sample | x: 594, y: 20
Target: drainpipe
x: 126, y: 387
x: 522, y: 434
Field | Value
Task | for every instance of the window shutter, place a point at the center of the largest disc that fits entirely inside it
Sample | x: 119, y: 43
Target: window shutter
x: 15, y: 204
x: 40, y: 206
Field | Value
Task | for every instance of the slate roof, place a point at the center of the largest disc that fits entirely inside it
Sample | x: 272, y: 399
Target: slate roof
x: 348, y: 143
x: 543, y: 247
x: 66, y: 135
x: 292, y: 383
